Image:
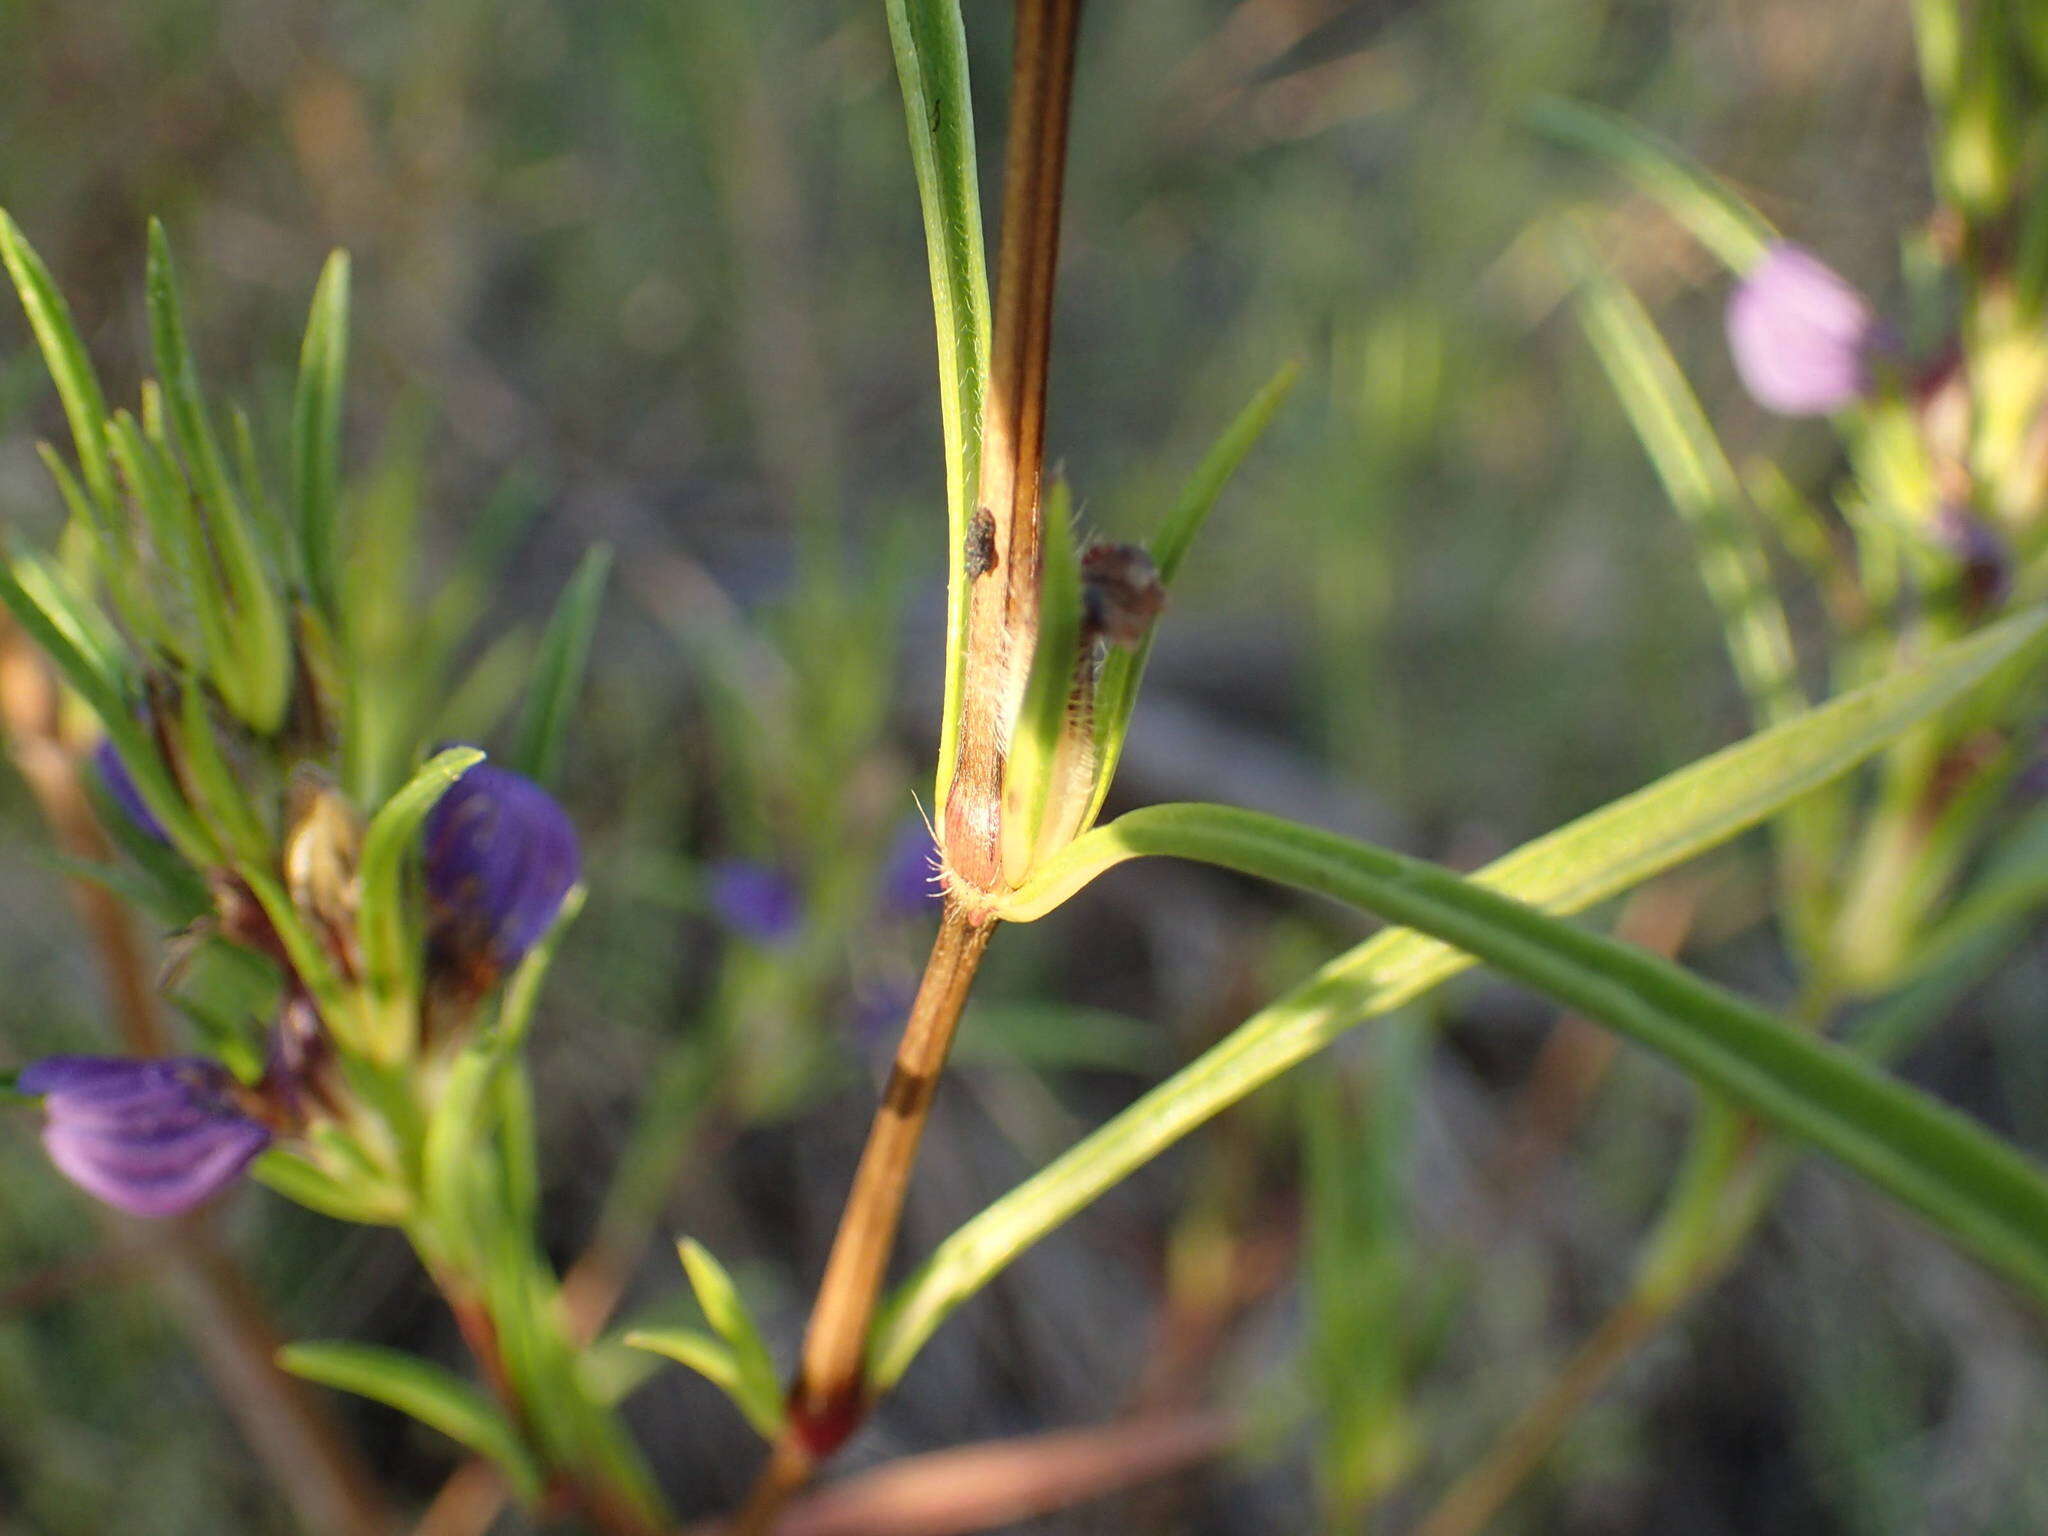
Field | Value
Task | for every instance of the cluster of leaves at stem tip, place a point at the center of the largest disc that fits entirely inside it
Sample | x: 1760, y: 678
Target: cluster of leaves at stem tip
x: 362, y: 925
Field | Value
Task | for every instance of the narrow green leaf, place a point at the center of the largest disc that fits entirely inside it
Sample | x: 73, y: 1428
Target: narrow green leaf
x: 522, y: 992
x: 931, y: 65
x: 316, y: 435
x: 391, y: 944
x: 179, y: 377
x: 425, y: 1391
x: 1980, y: 1192
x: 304, y: 1184
x: 713, y: 1360
x: 175, y: 534
x: 559, y: 668
x: 755, y: 1386
x: 71, y: 370
x: 1701, y: 483
x: 217, y: 794
x: 254, y: 676
x: 1116, y: 693
x: 1567, y: 871
x: 105, y: 694
x: 54, y: 591
x: 1702, y: 202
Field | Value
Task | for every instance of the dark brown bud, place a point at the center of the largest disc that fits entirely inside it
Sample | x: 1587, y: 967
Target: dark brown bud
x: 1121, y: 594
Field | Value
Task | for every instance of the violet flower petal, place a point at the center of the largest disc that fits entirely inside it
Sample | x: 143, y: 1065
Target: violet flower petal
x: 500, y: 857
x: 1801, y: 335
x: 152, y: 1136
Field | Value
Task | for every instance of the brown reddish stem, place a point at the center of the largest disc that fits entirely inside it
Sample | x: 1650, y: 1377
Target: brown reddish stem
x: 1002, y: 613
x: 829, y: 1397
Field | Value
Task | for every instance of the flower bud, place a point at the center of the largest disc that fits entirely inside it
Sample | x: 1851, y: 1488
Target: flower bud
x: 1801, y: 335
x: 500, y: 859
x: 1121, y: 594
x: 153, y: 1136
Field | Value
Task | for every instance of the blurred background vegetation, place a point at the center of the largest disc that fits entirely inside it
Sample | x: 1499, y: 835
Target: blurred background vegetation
x: 652, y: 273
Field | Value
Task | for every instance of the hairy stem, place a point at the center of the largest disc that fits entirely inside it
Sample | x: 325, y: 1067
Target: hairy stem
x: 1002, y: 618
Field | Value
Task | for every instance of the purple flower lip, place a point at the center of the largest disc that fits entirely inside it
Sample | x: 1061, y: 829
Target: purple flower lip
x: 120, y: 787
x: 1801, y: 335
x: 500, y: 858
x: 152, y: 1136
x: 756, y: 901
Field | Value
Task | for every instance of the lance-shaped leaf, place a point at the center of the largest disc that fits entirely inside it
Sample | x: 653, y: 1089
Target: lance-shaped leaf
x: 559, y: 668
x: 1702, y: 202
x: 1700, y: 481
x: 71, y: 370
x: 1976, y: 1189
x: 254, y: 677
x: 426, y: 1392
x: 1117, y: 693
x: 740, y: 1365
x: 931, y: 65
x: 105, y: 693
x: 1598, y: 856
x: 316, y: 435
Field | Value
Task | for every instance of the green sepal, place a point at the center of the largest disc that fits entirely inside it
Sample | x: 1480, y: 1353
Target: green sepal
x: 391, y: 940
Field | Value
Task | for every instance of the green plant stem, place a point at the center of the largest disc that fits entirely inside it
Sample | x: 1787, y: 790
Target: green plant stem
x: 828, y: 1398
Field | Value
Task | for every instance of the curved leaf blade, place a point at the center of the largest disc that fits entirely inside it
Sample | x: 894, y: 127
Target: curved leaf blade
x: 1567, y: 871
x: 426, y: 1392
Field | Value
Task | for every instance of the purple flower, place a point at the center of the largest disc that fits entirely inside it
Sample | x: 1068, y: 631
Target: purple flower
x: 120, y: 787
x: 154, y: 1136
x: 909, y: 883
x: 500, y: 859
x: 755, y: 901
x: 1802, y: 336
